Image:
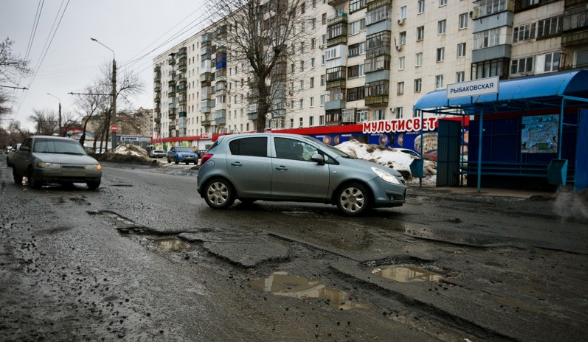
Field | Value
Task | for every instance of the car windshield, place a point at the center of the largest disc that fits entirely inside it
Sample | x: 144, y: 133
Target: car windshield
x: 329, y: 147
x: 58, y: 146
x: 183, y: 149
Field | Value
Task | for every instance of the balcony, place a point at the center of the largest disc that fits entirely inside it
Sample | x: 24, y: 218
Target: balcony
x: 337, y: 84
x: 252, y: 116
x: 171, y: 60
x: 182, y: 114
x: 376, y: 100
x: 157, y: 108
x: 206, y: 77
x: 183, y: 53
x: 337, y: 104
x: 182, y: 87
x: 157, y: 77
x: 337, y: 18
x: 206, y: 106
x: 157, y: 117
x: 373, y: 4
x: 339, y: 40
x: 172, y: 126
x: 206, y: 123
x: 182, y: 99
x: 183, y: 66
x: 221, y: 32
x: 279, y: 113
x: 157, y: 68
x: 171, y: 93
x: 252, y: 108
x: 575, y: 38
x: 157, y: 88
x: 172, y: 114
x: 336, y: 2
x: 220, y: 117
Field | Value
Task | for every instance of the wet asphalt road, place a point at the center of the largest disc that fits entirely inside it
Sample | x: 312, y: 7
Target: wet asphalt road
x: 144, y: 258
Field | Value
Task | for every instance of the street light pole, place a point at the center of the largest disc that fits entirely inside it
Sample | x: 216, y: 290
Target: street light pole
x: 113, y: 116
x: 60, y: 128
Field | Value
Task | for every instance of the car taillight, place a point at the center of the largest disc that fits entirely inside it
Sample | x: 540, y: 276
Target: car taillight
x: 205, y: 158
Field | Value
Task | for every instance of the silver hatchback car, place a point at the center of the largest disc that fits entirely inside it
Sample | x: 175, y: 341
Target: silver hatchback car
x: 289, y: 167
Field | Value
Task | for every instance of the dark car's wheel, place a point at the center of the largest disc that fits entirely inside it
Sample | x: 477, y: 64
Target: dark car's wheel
x: 169, y: 161
x: 16, y: 176
x: 219, y: 194
x: 177, y: 161
x: 353, y: 199
x: 93, y: 185
x: 33, y: 181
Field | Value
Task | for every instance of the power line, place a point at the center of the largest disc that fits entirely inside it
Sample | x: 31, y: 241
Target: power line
x: 35, y: 26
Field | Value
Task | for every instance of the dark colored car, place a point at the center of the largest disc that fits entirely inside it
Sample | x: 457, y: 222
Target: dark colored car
x: 290, y: 167
x: 51, y: 159
x: 182, y: 154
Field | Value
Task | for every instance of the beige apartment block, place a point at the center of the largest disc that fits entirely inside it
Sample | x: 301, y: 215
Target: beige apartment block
x: 363, y: 60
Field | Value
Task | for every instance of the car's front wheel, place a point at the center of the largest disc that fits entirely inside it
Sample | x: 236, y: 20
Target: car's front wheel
x: 33, y: 181
x: 353, y: 199
x: 93, y: 185
x: 219, y: 194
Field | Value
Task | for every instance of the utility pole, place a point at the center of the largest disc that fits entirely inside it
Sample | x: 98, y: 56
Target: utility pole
x: 113, y: 115
x: 61, y: 133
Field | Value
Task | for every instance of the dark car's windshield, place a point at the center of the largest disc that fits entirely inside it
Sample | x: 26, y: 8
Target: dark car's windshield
x: 58, y: 146
x: 183, y: 149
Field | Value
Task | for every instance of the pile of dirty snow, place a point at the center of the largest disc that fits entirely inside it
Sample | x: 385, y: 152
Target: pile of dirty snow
x: 128, y: 153
x: 389, y: 157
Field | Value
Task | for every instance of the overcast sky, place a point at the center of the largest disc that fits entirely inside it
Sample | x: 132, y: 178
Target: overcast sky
x: 131, y: 28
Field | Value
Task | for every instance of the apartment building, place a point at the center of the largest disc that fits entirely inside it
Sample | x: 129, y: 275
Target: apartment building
x: 364, y: 61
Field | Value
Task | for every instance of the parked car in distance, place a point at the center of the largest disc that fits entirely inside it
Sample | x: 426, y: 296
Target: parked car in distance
x: 157, y: 154
x: 430, y: 155
x: 182, y: 154
x: 10, y: 154
x: 52, y: 159
x: 290, y: 167
x: 408, y: 151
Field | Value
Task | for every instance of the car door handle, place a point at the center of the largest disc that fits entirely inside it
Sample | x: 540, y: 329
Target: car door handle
x: 236, y: 163
x: 282, y: 168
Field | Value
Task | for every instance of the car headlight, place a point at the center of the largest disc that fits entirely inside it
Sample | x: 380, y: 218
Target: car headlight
x: 388, y: 177
x: 93, y: 167
x: 45, y: 165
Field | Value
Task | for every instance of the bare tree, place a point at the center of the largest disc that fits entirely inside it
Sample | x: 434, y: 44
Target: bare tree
x: 11, y: 67
x: 263, y: 33
x: 45, y: 121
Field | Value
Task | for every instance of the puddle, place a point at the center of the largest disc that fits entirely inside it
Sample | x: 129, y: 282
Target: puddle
x: 171, y: 244
x: 113, y: 219
x: 287, y: 285
x: 406, y: 274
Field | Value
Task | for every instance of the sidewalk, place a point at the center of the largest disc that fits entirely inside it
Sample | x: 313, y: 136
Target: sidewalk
x: 472, y: 191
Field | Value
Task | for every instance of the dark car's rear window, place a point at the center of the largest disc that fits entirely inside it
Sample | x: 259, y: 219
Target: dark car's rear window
x: 183, y: 149
x: 256, y: 147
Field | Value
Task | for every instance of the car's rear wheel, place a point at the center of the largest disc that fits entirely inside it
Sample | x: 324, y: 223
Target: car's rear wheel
x: 177, y: 161
x: 169, y: 161
x: 16, y: 176
x: 353, y: 199
x: 219, y: 194
x: 33, y: 181
x: 93, y: 185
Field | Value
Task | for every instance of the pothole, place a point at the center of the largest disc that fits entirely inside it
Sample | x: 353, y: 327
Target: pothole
x: 122, y: 185
x: 171, y: 244
x: 406, y: 274
x: 287, y: 285
x: 113, y: 219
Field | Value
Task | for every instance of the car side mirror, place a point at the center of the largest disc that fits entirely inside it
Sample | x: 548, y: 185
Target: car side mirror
x: 318, y: 158
x: 25, y: 148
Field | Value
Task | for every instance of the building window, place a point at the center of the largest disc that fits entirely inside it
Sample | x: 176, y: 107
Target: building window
x: 440, y: 54
x: 487, y: 7
x: 418, y: 83
x: 438, y: 81
x: 312, y: 102
x: 400, y: 90
x: 322, y: 80
x: 300, y: 103
x: 356, y: 5
x: 311, y: 121
x: 324, y: 18
x: 379, y: 114
x: 312, y: 63
x: 403, y: 12
x: 441, y: 26
x: 401, y: 63
x: 419, y: 59
x: 521, y: 66
x: 313, y: 43
x: 463, y: 21
x: 361, y: 116
x: 548, y: 63
x: 301, y: 122
x: 442, y: 3
x: 354, y: 94
x: 524, y: 32
x: 312, y: 82
x: 552, y: 26
x: 321, y: 120
x: 460, y: 76
x: 356, y: 49
x: 420, y: 6
x: 490, y: 68
x: 353, y: 71
x: 486, y: 38
x: 402, y: 38
x: 356, y: 27
x: 420, y: 33
x: 301, y: 65
x: 399, y: 112
x: 461, y: 50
